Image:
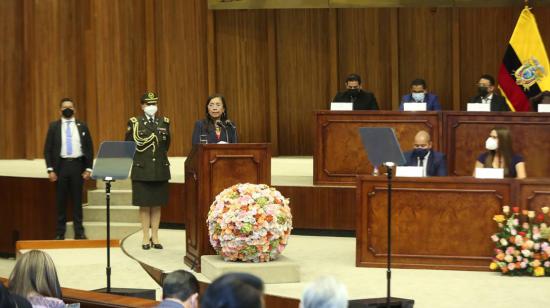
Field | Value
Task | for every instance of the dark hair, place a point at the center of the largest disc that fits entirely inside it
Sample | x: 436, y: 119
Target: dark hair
x: 231, y: 293
x: 179, y: 284
x: 419, y: 82
x: 353, y: 77
x: 504, y: 150
x: 224, y: 117
x: 65, y: 99
x: 248, y: 279
x: 8, y: 300
x: 488, y: 77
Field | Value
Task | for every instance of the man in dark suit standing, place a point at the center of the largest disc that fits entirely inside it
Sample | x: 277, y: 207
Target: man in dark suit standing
x: 68, y: 152
x: 433, y: 163
x: 486, y: 94
x: 361, y: 99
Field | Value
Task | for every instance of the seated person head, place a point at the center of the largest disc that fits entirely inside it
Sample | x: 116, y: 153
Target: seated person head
x: 418, y: 89
x: 422, y: 143
x: 181, y: 286
x: 353, y: 84
x: 325, y: 292
x: 486, y: 85
x: 232, y: 292
x: 35, y: 274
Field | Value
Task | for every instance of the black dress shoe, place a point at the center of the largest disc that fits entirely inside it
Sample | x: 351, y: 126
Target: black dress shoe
x: 59, y: 237
x: 156, y: 246
x: 146, y: 246
x: 80, y: 237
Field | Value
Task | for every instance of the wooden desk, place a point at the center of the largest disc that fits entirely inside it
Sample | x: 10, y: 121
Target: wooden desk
x: 339, y: 153
x: 465, y: 134
x: 437, y: 223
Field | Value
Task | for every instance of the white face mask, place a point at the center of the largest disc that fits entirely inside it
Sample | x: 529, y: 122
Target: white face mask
x: 419, y: 97
x: 150, y: 110
x: 491, y: 144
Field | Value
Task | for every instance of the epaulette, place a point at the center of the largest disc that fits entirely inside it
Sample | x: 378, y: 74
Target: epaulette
x: 166, y: 120
x: 133, y: 119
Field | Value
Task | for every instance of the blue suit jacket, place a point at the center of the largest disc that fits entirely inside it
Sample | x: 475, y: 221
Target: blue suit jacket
x: 437, y: 163
x: 228, y: 134
x: 431, y: 100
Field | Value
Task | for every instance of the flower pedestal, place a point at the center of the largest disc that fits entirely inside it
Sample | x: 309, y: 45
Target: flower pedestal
x: 281, y: 270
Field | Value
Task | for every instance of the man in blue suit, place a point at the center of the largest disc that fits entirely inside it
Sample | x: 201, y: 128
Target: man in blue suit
x: 180, y: 289
x: 433, y: 163
x: 420, y: 94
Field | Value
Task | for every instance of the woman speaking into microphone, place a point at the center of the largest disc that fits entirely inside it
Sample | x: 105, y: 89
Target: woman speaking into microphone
x: 215, y: 127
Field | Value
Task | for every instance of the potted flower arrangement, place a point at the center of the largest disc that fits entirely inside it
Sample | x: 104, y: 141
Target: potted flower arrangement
x: 522, y: 243
x: 249, y: 222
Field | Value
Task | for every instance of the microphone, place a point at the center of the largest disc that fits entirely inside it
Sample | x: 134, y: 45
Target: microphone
x: 220, y: 124
x: 232, y: 125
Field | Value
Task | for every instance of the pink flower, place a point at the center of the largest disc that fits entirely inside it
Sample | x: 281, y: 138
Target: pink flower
x: 547, y: 264
x: 509, y: 258
x: 513, y: 232
x: 523, y: 264
x: 494, y: 237
x: 511, y: 266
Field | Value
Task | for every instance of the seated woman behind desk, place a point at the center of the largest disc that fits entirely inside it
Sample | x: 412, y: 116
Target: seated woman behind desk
x: 215, y: 127
x: 501, y: 155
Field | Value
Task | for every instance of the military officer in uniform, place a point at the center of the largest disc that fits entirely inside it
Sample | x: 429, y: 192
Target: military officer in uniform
x: 151, y: 169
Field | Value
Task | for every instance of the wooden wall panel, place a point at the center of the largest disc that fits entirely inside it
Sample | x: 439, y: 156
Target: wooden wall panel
x: 11, y: 80
x: 241, y: 42
x: 120, y: 64
x: 364, y: 48
x: 422, y: 33
x: 275, y: 66
x: 304, y: 81
x: 181, y: 67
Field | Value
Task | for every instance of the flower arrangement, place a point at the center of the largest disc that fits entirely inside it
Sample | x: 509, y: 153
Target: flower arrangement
x: 249, y: 222
x: 522, y: 243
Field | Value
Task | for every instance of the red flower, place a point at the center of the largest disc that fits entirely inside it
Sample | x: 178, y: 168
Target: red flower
x: 515, y: 209
x: 521, y: 233
x: 540, y: 217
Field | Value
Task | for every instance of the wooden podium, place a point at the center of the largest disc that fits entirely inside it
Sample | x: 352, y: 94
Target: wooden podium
x: 209, y: 169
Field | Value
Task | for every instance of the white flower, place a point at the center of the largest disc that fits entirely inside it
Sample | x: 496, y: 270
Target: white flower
x: 513, y: 232
x: 506, y: 209
x: 503, y: 242
x: 526, y: 253
x: 509, y: 258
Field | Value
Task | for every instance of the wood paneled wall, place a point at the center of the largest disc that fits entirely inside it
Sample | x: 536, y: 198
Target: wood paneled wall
x: 274, y: 66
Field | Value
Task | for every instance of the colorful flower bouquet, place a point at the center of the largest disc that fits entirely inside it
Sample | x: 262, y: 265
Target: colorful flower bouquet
x: 522, y: 244
x: 249, y: 222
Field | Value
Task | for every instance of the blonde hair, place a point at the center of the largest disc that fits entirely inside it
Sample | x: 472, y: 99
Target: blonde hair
x: 34, y: 273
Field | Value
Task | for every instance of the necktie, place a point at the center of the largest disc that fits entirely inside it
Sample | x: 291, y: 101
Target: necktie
x: 69, y: 139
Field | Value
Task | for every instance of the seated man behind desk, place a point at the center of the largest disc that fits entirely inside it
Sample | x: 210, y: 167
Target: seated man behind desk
x: 361, y: 99
x: 434, y: 163
x: 419, y: 94
x: 486, y: 94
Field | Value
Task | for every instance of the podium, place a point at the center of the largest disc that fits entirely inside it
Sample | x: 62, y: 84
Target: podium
x: 209, y: 169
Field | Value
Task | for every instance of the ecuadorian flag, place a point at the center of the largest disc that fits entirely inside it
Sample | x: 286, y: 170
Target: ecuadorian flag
x: 524, y: 70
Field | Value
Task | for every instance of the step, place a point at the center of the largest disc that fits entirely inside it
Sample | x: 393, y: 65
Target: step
x: 119, y: 213
x: 118, y: 184
x: 118, y: 197
x: 98, y: 230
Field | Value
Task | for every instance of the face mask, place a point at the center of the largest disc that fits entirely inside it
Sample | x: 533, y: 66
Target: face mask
x: 421, y: 153
x: 150, y: 110
x: 491, y: 144
x: 482, y: 91
x: 419, y: 97
x: 67, y: 113
x: 353, y: 92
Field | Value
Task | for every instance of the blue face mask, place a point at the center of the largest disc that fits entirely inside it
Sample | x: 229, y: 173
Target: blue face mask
x: 418, y: 97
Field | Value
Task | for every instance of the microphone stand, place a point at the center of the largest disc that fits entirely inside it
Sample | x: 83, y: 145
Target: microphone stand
x: 234, y: 130
x: 389, y: 169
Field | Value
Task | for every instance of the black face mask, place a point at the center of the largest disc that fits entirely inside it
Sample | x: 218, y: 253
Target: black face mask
x: 482, y: 91
x: 353, y: 92
x: 67, y: 113
x: 420, y: 153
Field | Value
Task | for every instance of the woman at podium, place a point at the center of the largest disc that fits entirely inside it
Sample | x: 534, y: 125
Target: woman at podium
x: 500, y: 154
x: 216, y: 126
